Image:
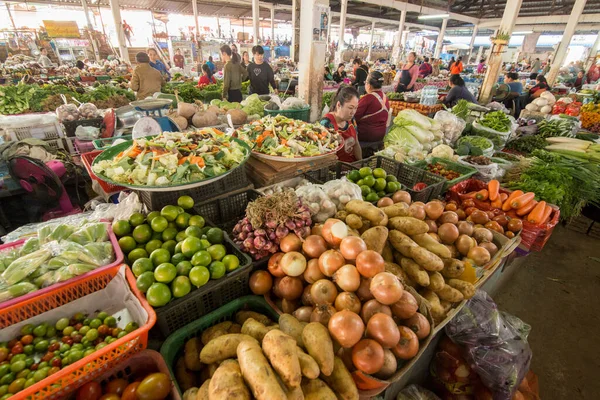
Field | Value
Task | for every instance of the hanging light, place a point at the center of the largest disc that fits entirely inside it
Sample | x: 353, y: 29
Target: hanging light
x: 433, y: 16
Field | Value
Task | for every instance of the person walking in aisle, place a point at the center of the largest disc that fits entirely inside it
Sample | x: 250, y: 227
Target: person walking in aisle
x: 211, y: 65
x: 260, y: 73
x: 343, y: 109
x: 361, y: 72
x: 178, y: 59
x: 372, y: 115
x: 145, y: 80
x: 408, y: 74
x: 233, y: 75
x: 457, y: 67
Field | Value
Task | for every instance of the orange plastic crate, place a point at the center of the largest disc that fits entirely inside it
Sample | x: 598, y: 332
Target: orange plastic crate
x: 68, y: 379
x: 88, y: 159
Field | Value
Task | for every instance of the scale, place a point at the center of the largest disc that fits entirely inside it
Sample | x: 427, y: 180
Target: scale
x: 154, y: 122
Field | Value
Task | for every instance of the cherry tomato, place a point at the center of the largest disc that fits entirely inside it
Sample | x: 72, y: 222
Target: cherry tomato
x: 110, y: 396
x: 17, y: 348
x: 89, y: 391
x: 154, y: 387
x: 419, y: 186
x: 130, y: 392
x: 3, y: 354
x: 27, y: 339
x: 116, y: 386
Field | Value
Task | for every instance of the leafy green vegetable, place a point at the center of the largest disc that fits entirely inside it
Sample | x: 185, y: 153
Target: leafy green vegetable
x: 527, y: 144
x: 15, y: 99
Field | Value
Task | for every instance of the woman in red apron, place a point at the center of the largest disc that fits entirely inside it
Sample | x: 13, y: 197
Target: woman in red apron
x: 343, y: 108
x: 372, y: 116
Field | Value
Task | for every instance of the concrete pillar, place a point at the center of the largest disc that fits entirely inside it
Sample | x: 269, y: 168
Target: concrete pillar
x: 90, y: 30
x: 475, y: 29
x: 371, y: 41
x: 116, y: 12
x: 273, y: 25
x: 295, y: 29
x: 494, y: 63
x: 255, y: 21
x: 396, y: 50
x: 312, y: 58
x: 440, y: 39
x: 343, y: 12
x: 591, y: 60
x: 479, y: 54
x: 195, y: 11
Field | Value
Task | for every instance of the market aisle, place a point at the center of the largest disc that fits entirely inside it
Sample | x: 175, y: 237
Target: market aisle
x: 556, y: 292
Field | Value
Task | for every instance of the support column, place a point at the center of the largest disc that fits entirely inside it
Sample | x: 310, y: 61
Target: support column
x: 90, y: 30
x: 295, y: 30
x: 12, y: 21
x: 440, y: 39
x: 371, y: 42
x: 479, y: 54
x: 494, y: 63
x: 116, y: 12
x: 475, y: 29
x: 255, y: 20
x: 398, y: 47
x: 563, y: 46
x: 195, y: 11
x: 312, y: 57
x: 591, y: 60
x: 273, y: 25
x: 343, y: 12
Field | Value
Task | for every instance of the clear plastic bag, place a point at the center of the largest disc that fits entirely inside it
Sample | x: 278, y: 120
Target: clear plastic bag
x: 67, y: 112
x: 317, y: 201
x: 24, y: 266
x: 90, y: 233
x: 495, y: 344
x: 499, y: 139
x: 416, y: 392
x: 451, y: 125
x: 484, y: 172
x: 341, y: 191
x: 88, y: 111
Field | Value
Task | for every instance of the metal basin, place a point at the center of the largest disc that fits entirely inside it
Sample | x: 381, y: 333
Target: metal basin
x: 127, y: 116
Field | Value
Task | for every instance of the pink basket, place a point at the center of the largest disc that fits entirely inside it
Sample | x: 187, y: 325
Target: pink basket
x: 118, y: 260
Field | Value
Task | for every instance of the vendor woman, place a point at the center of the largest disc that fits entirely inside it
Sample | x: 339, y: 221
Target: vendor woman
x: 540, y: 87
x: 458, y: 91
x: 372, y: 115
x: 408, y: 74
x: 343, y: 108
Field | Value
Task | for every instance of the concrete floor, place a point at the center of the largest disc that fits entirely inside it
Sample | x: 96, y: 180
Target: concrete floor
x: 557, y: 292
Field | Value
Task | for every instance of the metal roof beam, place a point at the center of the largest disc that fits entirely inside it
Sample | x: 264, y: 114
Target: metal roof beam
x: 547, y: 19
x: 400, y: 5
x: 385, y: 21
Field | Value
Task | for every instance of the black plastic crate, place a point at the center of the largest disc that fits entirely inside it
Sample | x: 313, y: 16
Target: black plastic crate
x: 225, y: 211
x: 207, y: 298
x: 233, y: 181
x: 71, y: 126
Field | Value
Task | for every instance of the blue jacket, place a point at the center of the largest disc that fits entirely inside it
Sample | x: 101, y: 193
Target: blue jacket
x: 160, y: 67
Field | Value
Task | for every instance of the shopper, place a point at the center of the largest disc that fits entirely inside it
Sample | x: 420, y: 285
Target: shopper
x: 343, y: 109
x: 408, y: 74
x: 211, y: 65
x: 425, y: 69
x: 327, y: 75
x: 457, y: 92
x: 340, y: 73
x: 435, y: 67
x: 260, y: 73
x: 512, y: 80
x: 207, y: 77
x: 233, y: 75
x: 157, y: 64
x: 372, y: 115
x: 178, y: 59
x: 80, y: 65
x: 536, y: 66
x: 547, y: 67
x: 540, y: 87
x: 456, y: 67
x: 127, y: 31
x: 234, y: 49
x: 361, y: 72
x: 245, y: 59
x: 145, y: 80
x: 593, y: 74
x: 481, y: 66
x: 44, y: 60
x: 451, y: 63
x: 580, y: 80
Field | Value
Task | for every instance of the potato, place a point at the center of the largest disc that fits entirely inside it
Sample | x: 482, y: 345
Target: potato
x: 387, y: 253
x: 228, y: 383
x: 341, y: 381
x: 353, y: 221
x: 453, y: 268
x: 401, y: 242
x: 316, y: 389
x: 426, y: 259
x: 203, y: 391
x: 190, y: 394
x: 437, y: 311
x: 191, y: 354
x: 319, y: 345
x: 450, y: 294
x: 409, y: 225
x: 367, y: 211
x: 291, y: 393
x: 399, y: 272
x: 235, y: 328
x: 185, y: 377
x: 258, y: 373
x: 436, y: 281
x: 280, y: 349
x: 223, y: 347
x: 397, y: 210
x: 446, y: 305
x: 255, y: 329
x: 308, y: 365
x: 289, y: 325
x: 415, y: 272
x: 215, y: 330
x: 341, y: 215
x: 426, y: 241
x: 375, y: 238
x: 242, y: 316
x: 466, y: 288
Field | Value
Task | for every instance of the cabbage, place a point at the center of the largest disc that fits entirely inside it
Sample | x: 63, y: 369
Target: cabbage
x: 400, y: 136
x: 253, y: 105
x: 422, y: 135
x: 412, y: 117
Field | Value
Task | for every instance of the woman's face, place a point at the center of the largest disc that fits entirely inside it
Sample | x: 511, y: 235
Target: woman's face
x: 246, y: 57
x: 153, y: 55
x: 411, y: 57
x: 340, y: 69
x: 346, y: 112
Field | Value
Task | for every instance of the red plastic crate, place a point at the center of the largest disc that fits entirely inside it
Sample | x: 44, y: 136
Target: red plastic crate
x: 88, y: 159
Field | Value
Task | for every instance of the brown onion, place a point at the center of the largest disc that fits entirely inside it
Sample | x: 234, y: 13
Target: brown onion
x: 293, y: 263
x: 419, y: 325
x: 383, y: 329
x: 351, y: 247
x: 417, y: 211
x: 323, y: 291
x: 479, y: 255
x: 384, y: 202
x: 461, y: 214
x: 432, y: 225
x: 448, y: 232
x: 386, y: 288
x: 274, y: 266
x: 289, y: 306
x: 322, y: 314
x: 369, y: 263
x: 464, y: 243
x: 448, y: 217
x: 490, y: 247
x: 334, y: 231
x: 330, y: 261
x: 406, y: 307
x: 434, y: 209
x: 348, y: 301
x: 408, y: 345
x: 367, y: 356
x: 303, y: 313
x: 314, y: 246
x: 317, y: 230
x: 364, y: 292
x: 307, y: 297
x: 401, y: 196
x: 346, y: 327
x: 373, y: 307
x: 390, y: 365
x: 261, y: 282
x: 313, y: 272
x: 290, y: 242
x: 483, y: 235
x: 465, y: 228
x: 290, y: 288
x: 347, y: 278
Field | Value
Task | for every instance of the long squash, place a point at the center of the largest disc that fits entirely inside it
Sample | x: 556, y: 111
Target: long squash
x: 522, y: 200
x: 506, y: 205
x: 536, y: 215
x: 494, y: 189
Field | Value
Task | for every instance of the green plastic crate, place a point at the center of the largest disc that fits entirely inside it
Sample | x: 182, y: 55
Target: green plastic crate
x: 105, y: 143
x: 301, y: 114
x: 172, y: 348
x: 464, y: 171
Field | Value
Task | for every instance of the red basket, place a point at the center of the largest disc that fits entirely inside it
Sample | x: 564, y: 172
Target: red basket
x: 118, y: 260
x: 88, y: 159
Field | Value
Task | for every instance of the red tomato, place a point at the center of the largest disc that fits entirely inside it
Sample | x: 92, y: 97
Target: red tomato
x: 130, y: 391
x: 419, y: 186
x: 116, y: 386
x: 89, y: 391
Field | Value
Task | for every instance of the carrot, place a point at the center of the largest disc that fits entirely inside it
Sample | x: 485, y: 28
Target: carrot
x: 482, y: 195
x: 522, y: 200
x: 547, y: 213
x: 493, y: 188
x: 506, y: 205
x: 181, y: 160
x: 470, y: 195
x: 527, y: 208
x: 503, y: 197
x: 536, y: 215
x: 133, y: 153
x: 497, y: 203
x: 283, y: 142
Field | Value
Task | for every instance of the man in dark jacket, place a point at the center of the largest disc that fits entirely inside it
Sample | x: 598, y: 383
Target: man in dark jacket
x: 361, y: 72
x: 260, y: 73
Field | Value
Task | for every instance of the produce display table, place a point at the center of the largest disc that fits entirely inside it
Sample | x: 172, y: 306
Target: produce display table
x: 398, y: 106
x: 438, y: 84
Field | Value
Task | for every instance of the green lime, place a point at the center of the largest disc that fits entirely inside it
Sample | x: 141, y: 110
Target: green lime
x: 178, y: 248
x: 165, y: 272
x: 159, y: 224
x: 137, y: 253
x: 380, y: 184
x: 369, y: 180
x: 127, y: 243
x: 180, y: 237
x: 169, y: 245
x: 379, y: 173
x: 185, y: 202
x: 177, y: 258
x: 142, y: 233
x: 197, y: 220
x: 183, y: 267
x: 136, y: 219
x: 144, y: 281
x: 372, y: 197
x: 217, y: 269
x: 142, y: 265
x: 160, y: 256
x: 231, y: 262
x: 392, y: 187
x: 365, y: 171
x: 172, y: 225
x: 199, y: 276
x: 169, y: 234
x: 190, y: 246
x: 381, y: 194
x: 153, y: 245
x: 169, y: 212
x: 158, y: 295
x: 183, y: 220
x: 353, y: 175
x: 194, y: 231
x: 152, y: 215
x: 365, y: 190
x: 40, y: 330
x: 61, y: 324
x: 360, y: 182
x: 201, y: 258
x: 217, y: 251
x: 121, y: 227
x: 391, y: 178
x: 205, y: 243
x: 214, y: 235
x: 181, y: 286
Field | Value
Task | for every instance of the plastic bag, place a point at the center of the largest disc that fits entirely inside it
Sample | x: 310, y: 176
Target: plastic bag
x: 88, y: 111
x: 484, y: 172
x: 495, y: 344
x: 30, y: 245
x: 67, y: 112
x: 451, y: 125
x: 90, y: 233
x: 498, y: 138
x: 416, y: 392
x: 87, y: 132
x: 66, y: 253
x: 293, y: 103
x: 17, y: 290
x: 24, y: 266
x: 51, y: 232
x: 32, y: 229
x: 341, y: 191
x: 318, y: 203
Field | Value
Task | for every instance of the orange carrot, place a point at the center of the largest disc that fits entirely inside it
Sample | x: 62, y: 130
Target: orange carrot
x: 133, y: 153
x: 547, y: 213
x: 482, y: 195
x: 526, y: 209
x: 506, y: 205
x: 181, y: 160
x: 536, y: 215
x: 471, y: 195
x: 503, y: 197
x: 493, y: 188
x: 522, y: 200
x: 497, y: 203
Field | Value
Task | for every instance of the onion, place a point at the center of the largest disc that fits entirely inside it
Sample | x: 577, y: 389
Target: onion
x: 408, y: 345
x: 314, y: 246
x: 453, y: 251
x: 364, y: 292
x: 289, y: 306
x: 383, y: 329
x: 465, y: 228
x: 307, y: 297
x: 330, y: 261
x: 351, y: 247
x: 346, y: 327
x: 419, y: 325
x: 483, y: 235
x: 479, y: 255
x: 406, y: 307
x: 434, y: 209
x: 290, y: 288
x: 293, y: 263
x: 348, y: 301
x: 367, y: 356
x: 419, y: 203
x: 386, y: 288
x: 323, y: 291
x: 303, y: 313
x: 480, y: 217
x: 274, y: 266
x: 313, y: 272
x: 261, y: 282
x: 334, y: 231
x: 490, y: 247
x: 384, y: 202
x: 317, y: 230
x: 448, y: 232
x: 276, y: 291
x: 373, y: 307
x: 290, y: 242
x: 347, y: 278
x: 369, y: 263
x: 448, y: 217
x: 322, y: 314
x: 461, y: 214
x: 432, y: 225
x: 282, y: 231
x: 390, y: 365
x: 417, y: 211
x: 401, y: 196
x: 464, y: 243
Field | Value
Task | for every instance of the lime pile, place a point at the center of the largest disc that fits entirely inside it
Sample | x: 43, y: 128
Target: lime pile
x: 374, y: 183
x: 172, y: 251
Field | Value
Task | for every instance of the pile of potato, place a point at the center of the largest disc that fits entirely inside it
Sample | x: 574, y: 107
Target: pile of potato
x: 253, y: 357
